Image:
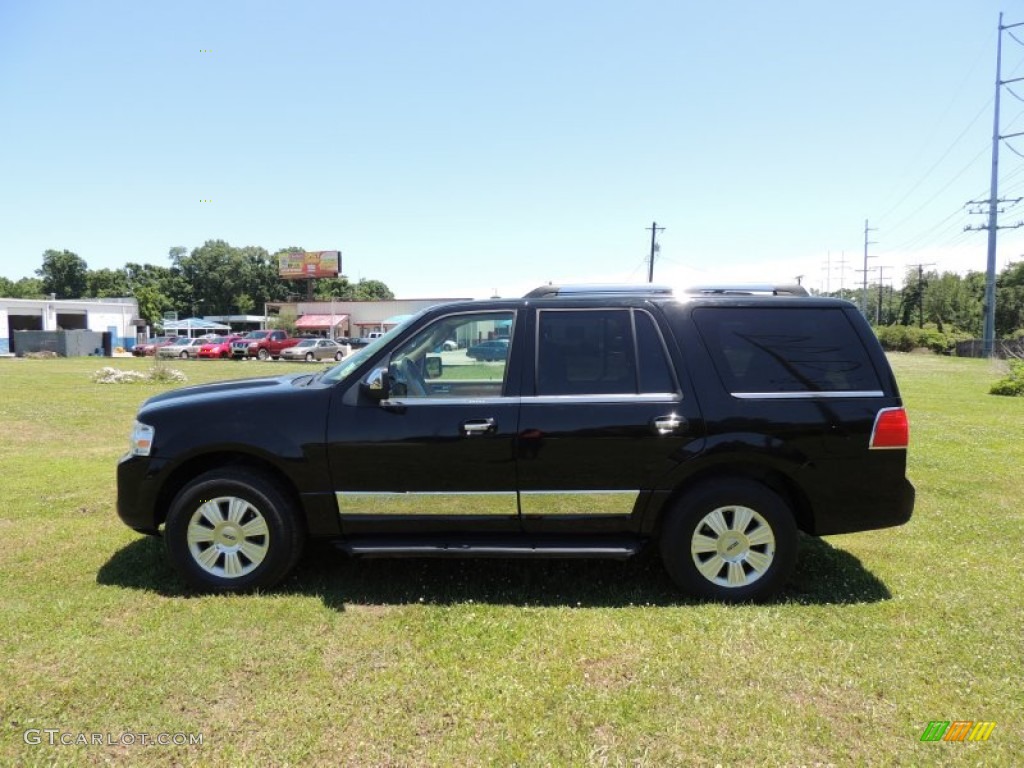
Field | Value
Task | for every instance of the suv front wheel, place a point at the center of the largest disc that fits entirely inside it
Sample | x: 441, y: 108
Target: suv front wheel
x: 732, y: 540
x: 231, y: 530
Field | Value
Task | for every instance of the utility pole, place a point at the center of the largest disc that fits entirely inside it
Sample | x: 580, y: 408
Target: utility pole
x: 881, y: 284
x: 864, y: 294
x: 655, y: 229
x: 920, y: 291
x: 989, y: 333
x: 842, y: 275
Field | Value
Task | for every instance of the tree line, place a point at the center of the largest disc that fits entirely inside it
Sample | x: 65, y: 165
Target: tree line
x: 949, y: 302
x: 214, y: 279
x: 220, y: 279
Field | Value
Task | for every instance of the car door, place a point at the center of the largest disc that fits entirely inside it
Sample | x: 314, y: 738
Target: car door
x: 606, y: 419
x: 438, y: 454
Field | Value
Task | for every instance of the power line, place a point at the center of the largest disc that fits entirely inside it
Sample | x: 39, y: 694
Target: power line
x: 948, y: 184
x: 936, y: 164
x: 945, y: 112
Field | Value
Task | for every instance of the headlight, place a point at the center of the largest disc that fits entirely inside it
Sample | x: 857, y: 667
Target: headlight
x: 141, y: 441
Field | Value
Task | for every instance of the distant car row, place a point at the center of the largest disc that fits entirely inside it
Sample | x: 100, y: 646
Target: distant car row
x: 225, y: 347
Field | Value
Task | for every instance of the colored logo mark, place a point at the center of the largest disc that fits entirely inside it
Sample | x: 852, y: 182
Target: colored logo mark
x: 958, y: 730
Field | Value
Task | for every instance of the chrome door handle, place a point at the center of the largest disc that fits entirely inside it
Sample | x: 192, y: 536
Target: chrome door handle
x: 478, y: 427
x: 667, y: 425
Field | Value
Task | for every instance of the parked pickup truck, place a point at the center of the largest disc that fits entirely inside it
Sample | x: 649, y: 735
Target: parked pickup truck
x: 262, y: 344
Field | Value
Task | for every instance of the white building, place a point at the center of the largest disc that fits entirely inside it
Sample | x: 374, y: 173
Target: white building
x: 116, y: 316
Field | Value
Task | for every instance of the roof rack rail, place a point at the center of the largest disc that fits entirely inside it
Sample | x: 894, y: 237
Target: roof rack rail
x: 599, y: 289
x: 747, y: 289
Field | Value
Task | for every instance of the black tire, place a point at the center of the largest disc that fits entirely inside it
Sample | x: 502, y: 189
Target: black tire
x: 754, y: 548
x: 260, y: 557
x: 309, y: 357
x: 262, y: 354
x: 183, y: 355
x: 338, y: 356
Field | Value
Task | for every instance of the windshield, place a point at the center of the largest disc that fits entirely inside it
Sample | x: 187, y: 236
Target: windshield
x: 344, y: 369
x: 306, y: 343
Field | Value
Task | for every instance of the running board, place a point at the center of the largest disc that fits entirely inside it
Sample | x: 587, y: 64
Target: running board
x: 374, y: 546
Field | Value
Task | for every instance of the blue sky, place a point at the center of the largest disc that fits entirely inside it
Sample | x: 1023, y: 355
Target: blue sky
x: 465, y: 148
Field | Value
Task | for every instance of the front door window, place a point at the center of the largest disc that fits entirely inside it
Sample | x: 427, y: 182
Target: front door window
x: 464, y: 355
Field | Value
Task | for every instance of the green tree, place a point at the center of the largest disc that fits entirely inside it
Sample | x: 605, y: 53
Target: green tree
x: 341, y: 288
x: 911, y: 310
x: 64, y: 273
x: 218, y: 275
x: 157, y: 289
x: 107, y: 283
x: 152, y: 303
x: 28, y: 288
x: 1010, y: 299
x: 373, y: 290
x: 244, y: 303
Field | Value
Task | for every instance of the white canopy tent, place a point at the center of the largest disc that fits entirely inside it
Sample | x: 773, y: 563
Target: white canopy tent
x: 193, y: 326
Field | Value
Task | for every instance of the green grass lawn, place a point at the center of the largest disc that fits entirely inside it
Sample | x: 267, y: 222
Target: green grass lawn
x: 506, y: 662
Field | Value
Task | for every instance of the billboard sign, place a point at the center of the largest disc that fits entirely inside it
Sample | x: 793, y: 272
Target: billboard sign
x: 299, y: 265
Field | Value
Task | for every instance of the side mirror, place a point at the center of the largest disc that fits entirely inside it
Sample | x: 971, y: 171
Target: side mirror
x: 433, y: 366
x: 377, y: 384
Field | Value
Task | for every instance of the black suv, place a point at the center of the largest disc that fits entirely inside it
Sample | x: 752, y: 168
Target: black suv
x: 714, y: 424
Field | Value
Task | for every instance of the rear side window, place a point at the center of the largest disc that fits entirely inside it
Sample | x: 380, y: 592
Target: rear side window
x: 762, y: 350
x: 601, y: 352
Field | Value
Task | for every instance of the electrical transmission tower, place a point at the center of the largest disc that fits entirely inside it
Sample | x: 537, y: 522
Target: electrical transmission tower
x: 993, y: 202
x: 864, y: 293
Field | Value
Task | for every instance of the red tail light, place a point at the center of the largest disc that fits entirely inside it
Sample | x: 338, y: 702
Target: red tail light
x: 891, y: 430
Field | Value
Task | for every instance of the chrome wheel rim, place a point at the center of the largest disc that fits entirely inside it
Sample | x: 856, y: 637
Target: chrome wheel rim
x: 228, y: 537
x: 732, y: 546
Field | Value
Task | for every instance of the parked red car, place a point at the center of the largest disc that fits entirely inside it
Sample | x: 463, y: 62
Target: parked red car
x: 218, y: 347
x: 150, y: 347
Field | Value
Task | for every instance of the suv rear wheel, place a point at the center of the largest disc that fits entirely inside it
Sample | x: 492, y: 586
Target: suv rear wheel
x: 731, y: 540
x: 232, y: 530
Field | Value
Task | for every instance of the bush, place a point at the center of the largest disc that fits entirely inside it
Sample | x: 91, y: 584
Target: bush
x: 897, y: 338
x: 1011, y: 385
x: 158, y: 373
x: 904, y: 338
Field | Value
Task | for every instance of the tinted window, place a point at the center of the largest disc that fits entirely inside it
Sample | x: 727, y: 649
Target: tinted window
x: 655, y: 374
x: 585, y: 352
x: 757, y: 349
